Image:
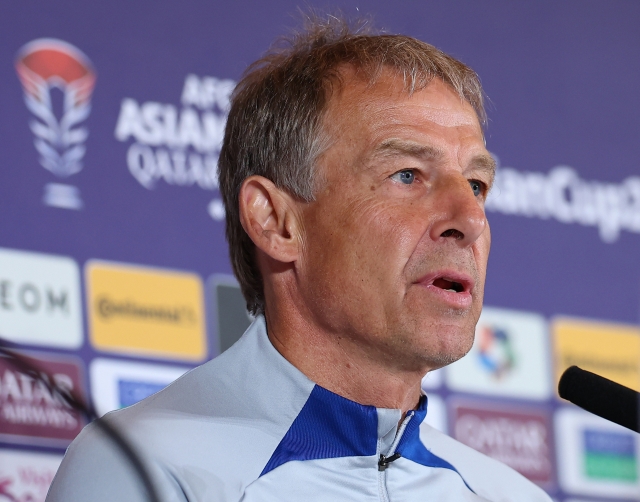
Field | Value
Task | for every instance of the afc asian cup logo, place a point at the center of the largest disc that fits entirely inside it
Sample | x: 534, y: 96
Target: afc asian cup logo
x: 44, y: 65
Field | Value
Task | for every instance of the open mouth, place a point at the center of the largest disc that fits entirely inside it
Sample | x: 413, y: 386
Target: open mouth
x: 448, y: 285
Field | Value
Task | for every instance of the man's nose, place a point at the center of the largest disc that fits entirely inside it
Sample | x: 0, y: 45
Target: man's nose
x: 458, y: 212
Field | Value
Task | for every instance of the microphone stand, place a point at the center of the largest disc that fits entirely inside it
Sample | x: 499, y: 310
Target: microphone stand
x: 27, y: 367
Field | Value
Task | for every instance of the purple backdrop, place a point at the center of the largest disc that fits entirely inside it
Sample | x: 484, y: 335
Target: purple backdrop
x: 562, y: 79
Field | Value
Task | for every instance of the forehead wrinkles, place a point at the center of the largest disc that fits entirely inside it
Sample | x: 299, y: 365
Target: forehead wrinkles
x: 360, y: 115
x: 360, y: 107
x: 424, y: 113
x: 343, y: 123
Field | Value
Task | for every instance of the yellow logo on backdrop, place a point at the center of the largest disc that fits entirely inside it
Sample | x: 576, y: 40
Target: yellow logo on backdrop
x: 610, y: 350
x: 144, y: 311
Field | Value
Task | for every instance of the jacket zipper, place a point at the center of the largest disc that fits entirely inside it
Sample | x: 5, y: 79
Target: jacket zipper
x: 385, y: 460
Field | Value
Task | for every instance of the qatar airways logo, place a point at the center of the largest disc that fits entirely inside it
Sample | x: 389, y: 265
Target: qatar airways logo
x: 49, y: 69
x: 562, y: 195
x: 178, y: 146
x: 519, y: 438
x: 30, y: 411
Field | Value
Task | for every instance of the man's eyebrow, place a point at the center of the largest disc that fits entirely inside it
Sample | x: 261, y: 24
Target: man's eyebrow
x: 399, y: 147
x: 484, y: 163
x: 394, y: 146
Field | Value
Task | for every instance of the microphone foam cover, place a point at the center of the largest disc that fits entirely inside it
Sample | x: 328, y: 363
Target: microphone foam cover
x: 601, y: 396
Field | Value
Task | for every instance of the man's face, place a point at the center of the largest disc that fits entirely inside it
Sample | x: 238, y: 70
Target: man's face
x: 396, y: 242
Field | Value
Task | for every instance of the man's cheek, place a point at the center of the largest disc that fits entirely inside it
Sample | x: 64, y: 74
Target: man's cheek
x: 487, y: 240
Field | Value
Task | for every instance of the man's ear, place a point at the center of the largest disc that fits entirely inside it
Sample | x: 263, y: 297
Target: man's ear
x: 268, y: 215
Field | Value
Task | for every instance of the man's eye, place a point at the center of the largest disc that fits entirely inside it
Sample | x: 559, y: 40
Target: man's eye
x: 477, y: 187
x: 407, y: 177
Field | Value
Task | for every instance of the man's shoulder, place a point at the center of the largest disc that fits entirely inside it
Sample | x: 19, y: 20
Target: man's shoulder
x: 220, y: 421
x: 243, y: 399
x: 489, y: 478
x: 242, y: 383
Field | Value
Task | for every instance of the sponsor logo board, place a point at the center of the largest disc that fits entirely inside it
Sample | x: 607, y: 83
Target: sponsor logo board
x: 26, y: 476
x: 509, y: 357
x: 116, y: 384
x: 516, y: 436
x: 29, y: 411
x: 40, y: 299
x: 55, y: 75
x: 595, y: 456
x: 610, y: 350
x: 145, y: 311
x: 232, y: 318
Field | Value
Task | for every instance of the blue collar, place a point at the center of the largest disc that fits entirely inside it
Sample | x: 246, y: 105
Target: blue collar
x: 331, y: 426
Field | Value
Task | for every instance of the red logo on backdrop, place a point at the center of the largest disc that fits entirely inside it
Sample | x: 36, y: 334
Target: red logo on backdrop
x: 520, y: 439
x: 28, y: 409
x: 25, y: 476
x: 43, y: 65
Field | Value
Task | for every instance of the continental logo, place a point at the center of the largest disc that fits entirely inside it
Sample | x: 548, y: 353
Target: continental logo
x: 144, y: 311
x: 109, y: 308
x: 610, y: 350
x: 598, y: 366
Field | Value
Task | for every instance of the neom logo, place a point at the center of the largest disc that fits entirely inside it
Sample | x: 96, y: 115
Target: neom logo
x: 108, y: 308
x: 30, y: 298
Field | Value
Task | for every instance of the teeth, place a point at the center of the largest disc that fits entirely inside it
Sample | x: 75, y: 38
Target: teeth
x: 452, y: 290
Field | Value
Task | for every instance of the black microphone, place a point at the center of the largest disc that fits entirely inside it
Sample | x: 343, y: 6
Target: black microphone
x: 601, y: 396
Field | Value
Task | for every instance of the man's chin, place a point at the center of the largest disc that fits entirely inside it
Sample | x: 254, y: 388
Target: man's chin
x: 437, y: 361
x: 451, y: 349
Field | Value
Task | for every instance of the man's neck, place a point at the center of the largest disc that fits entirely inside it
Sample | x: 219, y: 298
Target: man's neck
x: 342, y: 366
